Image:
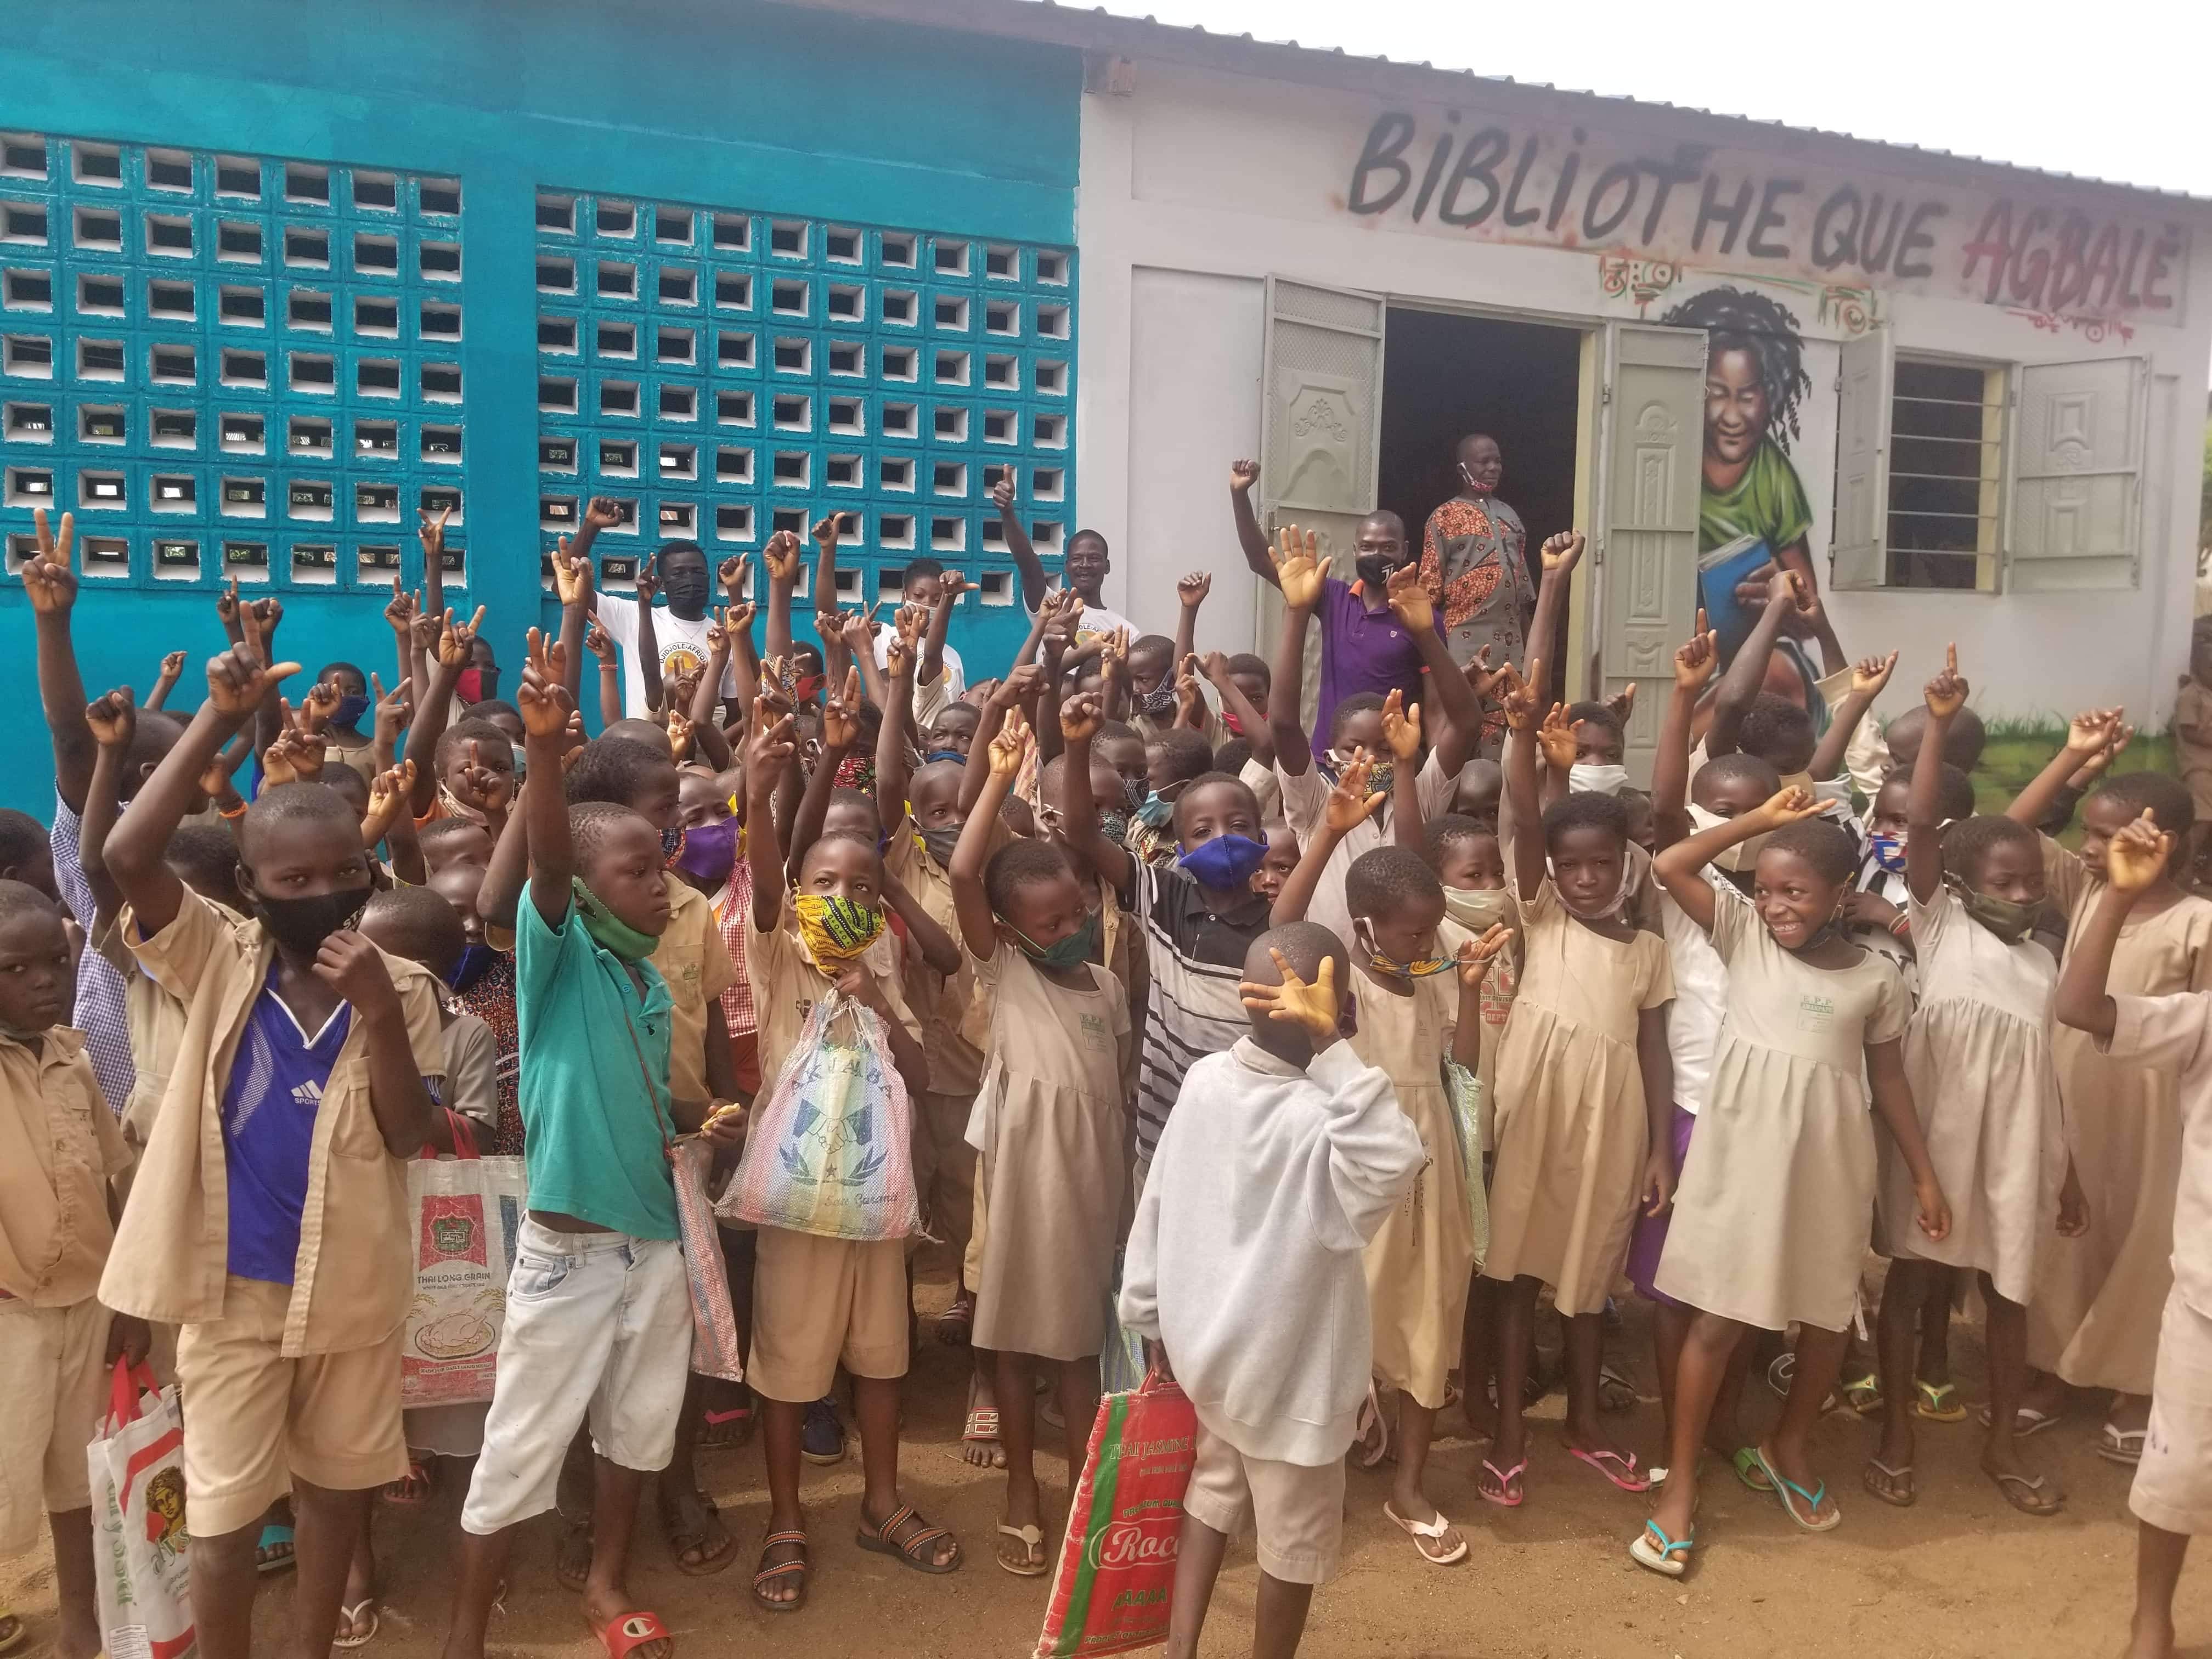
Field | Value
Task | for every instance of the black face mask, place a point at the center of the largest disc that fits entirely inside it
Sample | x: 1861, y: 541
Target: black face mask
x: 686, y: 589
x: 300, y: 925
x: 1375, y: 570
x: 940, y: 844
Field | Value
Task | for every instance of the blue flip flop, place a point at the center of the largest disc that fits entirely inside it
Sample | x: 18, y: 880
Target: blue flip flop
x: 1783, y: 1486
x: 1662, y: 1557
x: 272, y: 1536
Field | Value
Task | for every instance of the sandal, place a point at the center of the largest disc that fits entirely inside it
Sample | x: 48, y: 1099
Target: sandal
x: 274, y: 1536
x: 412, y: 1488
x: 957, y: 1322
x: 912, y: 1553
x: 1748, y: 1470
x: 768, y: 1575
x: 348, y: 1617
x: 1895, y: 1487
x: 1783, y: 1486
x: 571, y: 1558
x: 721, y: 1430
x: 13, y: 1631
x: 1033, y: 1563
x: 689, y: 1516
x: 1615, y: 1393
x: 1863, y: 1394
x: 2027, y: 1420
x: 1510, y: 1494
x: 629, y: 1631
x: 1428, y: 1537
x: 1936, y: 1403
x: 1627, y: 1480
x: 1783, y: 1372
x: 2018, y: 1490
x: 2121, y: 1445
x: 1660, y: 1558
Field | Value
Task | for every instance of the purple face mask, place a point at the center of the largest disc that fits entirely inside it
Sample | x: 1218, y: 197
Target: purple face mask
x: 710, y: 851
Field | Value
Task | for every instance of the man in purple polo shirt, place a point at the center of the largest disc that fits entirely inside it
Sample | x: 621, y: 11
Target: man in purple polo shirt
x: 1363, y: 645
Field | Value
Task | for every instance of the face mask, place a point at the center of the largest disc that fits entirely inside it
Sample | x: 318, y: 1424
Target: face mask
x: 609, y: 931
x: 836, y: 929
x: 1479, y: 908
x: 686, y: 589
x: 1736, y: 860
x: 1225, y: 863
x: 806, y: 687
x: 457, y: 808
x: 2008, y: 919
x: 671, y: 848
x: 1475, y: 486
x: 1070, y: 952
x: 857, y: 772
x: 1114, y: 826
x: 939, y: 843
x: 1381, y: 774
x: 1235, y: 727
x: 709, y: 851
x: 1155, y: 811
x: 1591, y: 779
x: 300, y: 925
x: 1157, y: 704
x: 469, y: 686
x: 348, y: 710
x: 475, y: 961
x: 1888, y: 851
x: 1133, y: 793
x: 1420, y: 967
x: 952, y: 754
x: 1374, y: 570
x: 1612, y: 906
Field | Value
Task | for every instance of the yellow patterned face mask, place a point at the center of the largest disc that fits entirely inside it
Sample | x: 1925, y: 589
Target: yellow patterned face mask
x: 836, y: 929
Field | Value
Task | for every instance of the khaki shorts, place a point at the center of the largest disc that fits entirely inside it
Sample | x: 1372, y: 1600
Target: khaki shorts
x: 53, y: 1380
x: 818, y: 1301
x: 254, y: 1420
x: 2172, y: 1488
x: 1298, y: 1510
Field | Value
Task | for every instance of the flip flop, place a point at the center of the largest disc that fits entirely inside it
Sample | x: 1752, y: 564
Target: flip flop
x: 412, y: 1488
x: 1425, y: 1533
x: 1031, y: 1539
x: 1628, y: 1480
x: 912, y: 1553
x: 627, y: 1631
x: 720, y: 1430
x: 2027, y: 1420
x: 768, y: 1575
x: 15, y: 1638
x: 1748, y: 1470
x: 1931, y: 1404
x: 1862, y: 1394
x: 1623, y: 1398
x: 1505, y: 1497
x: 350, y: 1616
x: 956, y: 1323
x: 272, y: 1536
x: 1889, y: 1494
x: 2121, y: 1445
x: 682, y: 1538
x: 1660, y: 1558
x: 2006, y: 1483
x: 1783, y: 1486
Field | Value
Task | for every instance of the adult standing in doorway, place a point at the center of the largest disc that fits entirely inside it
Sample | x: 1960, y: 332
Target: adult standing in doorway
x: 1474, y: 564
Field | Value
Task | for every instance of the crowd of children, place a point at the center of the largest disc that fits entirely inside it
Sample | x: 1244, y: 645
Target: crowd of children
x: 1307, y: 1044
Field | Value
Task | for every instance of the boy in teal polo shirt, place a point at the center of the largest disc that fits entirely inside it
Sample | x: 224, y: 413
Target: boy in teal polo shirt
x: 598, y: 1309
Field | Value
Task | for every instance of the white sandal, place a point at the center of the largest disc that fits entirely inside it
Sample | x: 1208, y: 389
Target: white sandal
x: 2121, y: 1445
x: 350, y: 1616
x: 1425, y: 1532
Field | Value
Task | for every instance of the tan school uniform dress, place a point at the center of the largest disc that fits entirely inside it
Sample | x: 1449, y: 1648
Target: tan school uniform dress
x: 2098, y: 1299
x: 1977, y: 1053
x: 1420, y: 1259
x: 1049, y: 1126
x: 1776, y: 1201
x: 1571, y: 1130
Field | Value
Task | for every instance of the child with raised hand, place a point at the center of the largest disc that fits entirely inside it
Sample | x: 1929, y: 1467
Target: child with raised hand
x: 1244, y: 1277
x: 1776, y: 1201
x: 2093, y: 1320
x: 304, y: 1056
x: 598, y: 1309
x: 1977, y: 1055
x: 2172, y: 1497
x: 1049, y: 1124
x: 1582, y: 1092
x: 1199, y: 913
x: 1410, y: 1012
x: 61, y: 1151
x: 820, y: 1302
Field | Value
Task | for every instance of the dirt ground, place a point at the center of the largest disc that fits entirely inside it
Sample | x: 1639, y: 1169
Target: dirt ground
x: 1960, y: 1576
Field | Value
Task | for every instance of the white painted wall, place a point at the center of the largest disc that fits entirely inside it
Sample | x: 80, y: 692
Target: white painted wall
x: 1200, y: 184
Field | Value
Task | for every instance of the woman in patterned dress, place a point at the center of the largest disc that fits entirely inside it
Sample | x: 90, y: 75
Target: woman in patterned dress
x: 1474, y: 565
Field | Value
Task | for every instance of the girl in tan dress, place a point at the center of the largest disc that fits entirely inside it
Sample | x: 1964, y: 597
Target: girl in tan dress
x: 1048, y: 1123
x: 1583, y: 1067
x: 1410, y: 1011
x: 1977, y: 1054
x: 1777, y: 1199
x: 2093, y: 1320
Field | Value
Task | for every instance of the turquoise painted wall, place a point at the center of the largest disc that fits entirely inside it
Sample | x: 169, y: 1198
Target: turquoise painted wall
x: 735, y: 105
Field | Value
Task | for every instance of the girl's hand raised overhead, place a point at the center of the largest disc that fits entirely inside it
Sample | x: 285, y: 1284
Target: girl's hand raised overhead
x: 113, y: 718
x: 1349, y: 802
x: 1402, y: 727
x: 1947, y: 693
x: 1871, y: 675
x: 1079, y: 719
x: 1519, y: 696
x: 1562, y: 552
x: 1786, y: 807
x: 1475, y: 955
x: 1557, y: 739
x: 1312, y: 1007
x: 2136, y: 856
x: 1011, y: 745
x: 1696, y: 662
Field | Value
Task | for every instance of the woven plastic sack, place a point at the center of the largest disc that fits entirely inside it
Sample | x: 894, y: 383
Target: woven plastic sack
x: 468, y: 1210
x: 1110, y: 1593
x: 714, y: 1350
x: 141, y: 1561
x: 831, y: 1152
x: 1465, y: 1090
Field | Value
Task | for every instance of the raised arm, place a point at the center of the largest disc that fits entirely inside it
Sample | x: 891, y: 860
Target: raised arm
x: 648, y: 646
x: 114, y: 722
x: 1251, y: 538
x: 2134, y: 858
x: 1349, y: 805
x: 1456, y: 698
x: 737, y: 578
x: 1014, y: 745
x: 1923, y: 846
x: 840, y: 730
x: 542, y: 700
x: 1018, y: 546
x: 600, y: 512
x: 1252, y: 725
x: 1190, y: 594
x: 824, y: 532
x: 49, y: 582
x: 173, y: 665
x: 572, y: 581
x: 432, y: 532
x: 780, y: 559
x: 1560, y: 554
x: 1017, y: 690
x: 951, y: 585
x: 1402, y: 731
x: 1738, y: 686
x: 705, y: 706
x: 1868, y: 677
x: 1530, y: 865
x: 456, y: 645
x: 1694, y: 663
x: 1079, y: 720
x: 1680, y: 868
x: 769, y: 745
x: 894, y: 768
x: 610, y: 683
x: 1303, y: 578
x: 2089, y: 732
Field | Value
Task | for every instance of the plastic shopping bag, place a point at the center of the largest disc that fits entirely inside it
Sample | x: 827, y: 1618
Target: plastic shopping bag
x: 141, y: 1570
x: 1117, y: 1563
x: 830, y: 1150
x: 467, y: 1212
x: 1465, y: 1092
x: 713, y: 1323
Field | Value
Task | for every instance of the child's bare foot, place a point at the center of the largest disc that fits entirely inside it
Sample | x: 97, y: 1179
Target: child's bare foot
x: 2150, y: 1638
x: 1481, y: 1413
x: 80, y: 1633
x: 1501, y: 1478
x: 604, y: 1604
x: 1410, y: 1509
x: 1888, y: 1474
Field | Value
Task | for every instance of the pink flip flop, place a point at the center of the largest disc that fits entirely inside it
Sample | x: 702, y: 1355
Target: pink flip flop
x: 1629, y: 1481
x: 1506, y: 1499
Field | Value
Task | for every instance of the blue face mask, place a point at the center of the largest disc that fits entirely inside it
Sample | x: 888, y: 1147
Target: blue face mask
x: 476, y: 961
x: 1155, y: 811
x: 936, y: 755
x: 1888, y: 851
x: 349, y: 709
x: 1225, y: 863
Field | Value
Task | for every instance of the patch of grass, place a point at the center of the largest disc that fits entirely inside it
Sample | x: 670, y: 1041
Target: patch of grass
x: 2018, y: 750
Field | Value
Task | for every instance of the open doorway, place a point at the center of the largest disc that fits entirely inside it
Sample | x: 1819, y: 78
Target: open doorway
x: 1446, y: 374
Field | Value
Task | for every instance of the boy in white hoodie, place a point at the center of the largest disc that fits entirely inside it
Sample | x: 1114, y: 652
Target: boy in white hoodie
x: 1244, y: 1271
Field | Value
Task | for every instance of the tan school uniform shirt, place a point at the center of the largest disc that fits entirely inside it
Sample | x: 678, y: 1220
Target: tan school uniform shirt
x: 59, y: 1147
x: 696, y: 964
x: 786, y: 984
x: 171, y: 1257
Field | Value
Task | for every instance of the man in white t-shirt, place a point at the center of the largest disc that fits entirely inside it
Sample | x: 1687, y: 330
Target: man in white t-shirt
x: 1084, y: 569
x: 679, y: 569
x: 933, y: 688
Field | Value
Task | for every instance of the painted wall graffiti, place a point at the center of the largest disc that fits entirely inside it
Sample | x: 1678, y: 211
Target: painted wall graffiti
x: 1450, y: 172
